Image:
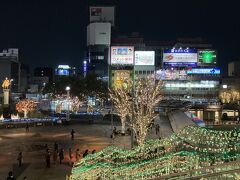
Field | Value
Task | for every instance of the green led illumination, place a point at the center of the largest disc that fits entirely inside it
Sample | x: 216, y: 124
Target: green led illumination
x: 207, y: 57
x: 192, y: 148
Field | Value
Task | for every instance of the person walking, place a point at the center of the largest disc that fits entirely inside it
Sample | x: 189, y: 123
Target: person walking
x: 48, y: 157
x: 70, y: 156
x: 10, y: 176
x: 61, y: 156
x: 20, y: 159
x: 55, y: 146
x: 85, y: 153
x: 72, y: 134
x: 55, y: 154
x: 27, y: 127
x: 157, y: 127
x: 77, y: 155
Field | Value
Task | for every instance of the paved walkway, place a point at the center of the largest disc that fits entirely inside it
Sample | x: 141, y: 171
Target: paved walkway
x: 32, y: 144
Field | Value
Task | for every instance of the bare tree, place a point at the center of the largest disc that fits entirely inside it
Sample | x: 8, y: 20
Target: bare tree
x: 138, y: 105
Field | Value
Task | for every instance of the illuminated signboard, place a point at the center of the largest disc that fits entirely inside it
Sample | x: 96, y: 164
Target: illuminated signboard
x: 180, y: 57
x: 63, y: 66
x: 145, y: 58
x: 169, y: 74
x: 204, y: 71
x: 121, y: 78
x: 207, y: 57
x: 122, y: 55
x: 62, y: 72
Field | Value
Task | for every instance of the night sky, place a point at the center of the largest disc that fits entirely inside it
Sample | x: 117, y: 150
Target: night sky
x: 49, y: 32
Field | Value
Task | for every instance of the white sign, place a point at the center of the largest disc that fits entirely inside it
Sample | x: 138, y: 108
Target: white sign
x: 145, y: 58
x: 122, y: 55
x: 173, y: 57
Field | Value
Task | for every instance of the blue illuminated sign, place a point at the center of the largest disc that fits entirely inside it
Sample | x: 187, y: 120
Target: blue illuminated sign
x: 204, y: 71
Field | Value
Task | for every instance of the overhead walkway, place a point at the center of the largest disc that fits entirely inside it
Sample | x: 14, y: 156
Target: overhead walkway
x: 178, y: 120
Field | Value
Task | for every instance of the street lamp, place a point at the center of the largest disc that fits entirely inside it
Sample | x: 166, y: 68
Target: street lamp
x: 68, y: 102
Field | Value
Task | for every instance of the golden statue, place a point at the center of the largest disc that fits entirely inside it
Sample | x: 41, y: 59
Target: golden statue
x: 6, y: 84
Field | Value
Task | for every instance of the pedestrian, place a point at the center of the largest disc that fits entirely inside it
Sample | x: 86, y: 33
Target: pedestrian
x: 238, y: 119
x: 115, y: 130
x: 70, y: 156
x: 20, y: 159
x: 157, y: 127
x: 61, y: 155
x: 10, y: 176
x: 46, y: 147
x: 27, y: 127
x: 77, y: 155
x: 55, y: 146
x: 48, y: 157
x: 85, y: 153
x: 55, y: 154
x: 72, y: 134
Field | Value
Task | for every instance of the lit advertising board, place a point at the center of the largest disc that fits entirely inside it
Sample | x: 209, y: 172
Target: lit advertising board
x: 62, y: 72
x: 203, y: 71
x: 99, y: 14
x: 180, y: 57
x: 122, y: 55
x: 145, y: 58
x: 169, y: 74
x: 121, y: 78
x: 207, y: 57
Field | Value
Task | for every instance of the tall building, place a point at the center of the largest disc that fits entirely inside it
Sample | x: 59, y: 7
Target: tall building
x: 101, y: 22
x: 10, y: 67
x: 234, y: 68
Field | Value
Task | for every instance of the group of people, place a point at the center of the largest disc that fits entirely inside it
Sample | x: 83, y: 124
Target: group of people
x: 59, y: 154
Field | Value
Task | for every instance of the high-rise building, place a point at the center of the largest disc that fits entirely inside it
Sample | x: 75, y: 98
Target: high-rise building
x: 101, y: 22
x: 234, y: 68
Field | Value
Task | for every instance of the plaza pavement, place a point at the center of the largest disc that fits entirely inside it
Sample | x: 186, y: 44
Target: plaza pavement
x: 32, y: 144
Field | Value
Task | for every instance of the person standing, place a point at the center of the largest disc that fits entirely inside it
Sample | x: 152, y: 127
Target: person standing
x: 20, y: 159
x: 55, y: 146
x: 72, y: 134
x: 157, y: 127
x: 27, y: 127
x: 77, y: 154
x: 48, y: 157
x: 61, y: 155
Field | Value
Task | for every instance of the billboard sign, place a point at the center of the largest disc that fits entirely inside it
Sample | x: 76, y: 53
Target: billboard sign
x: 100, y: 14
x: 206, y: 57
x: 204, y: 71
x: 180, y: 57
x: 145, y: 58
x: 169, y: 74
x: 121, y: 78
x: 122, y: 55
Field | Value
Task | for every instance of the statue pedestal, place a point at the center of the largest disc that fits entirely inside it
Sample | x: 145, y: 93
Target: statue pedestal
x: 5, y: 97
x: 6, y: 109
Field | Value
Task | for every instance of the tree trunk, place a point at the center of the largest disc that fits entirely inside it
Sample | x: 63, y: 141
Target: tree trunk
x: 123, y: 121
x: 25, y: 113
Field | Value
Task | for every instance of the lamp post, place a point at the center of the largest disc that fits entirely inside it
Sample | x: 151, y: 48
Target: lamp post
x: 68, y: 96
